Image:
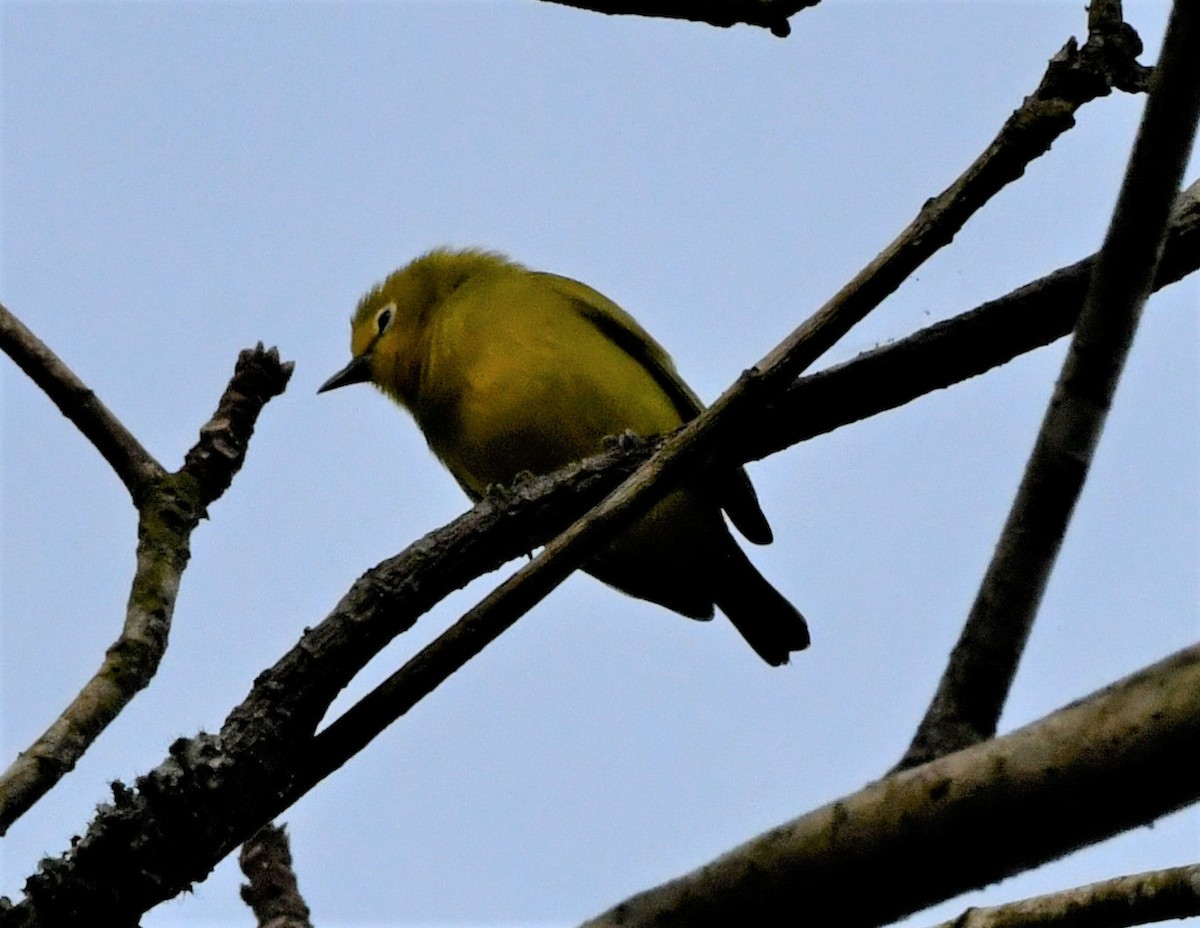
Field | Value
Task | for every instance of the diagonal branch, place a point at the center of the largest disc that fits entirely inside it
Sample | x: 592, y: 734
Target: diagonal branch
x: 972, y: 692
x: 272, y: 891
x: 1139, y: 899
x: 133, y: 464
x: 170, y: 506
x: 1116, y: 759
x: 953, y: 350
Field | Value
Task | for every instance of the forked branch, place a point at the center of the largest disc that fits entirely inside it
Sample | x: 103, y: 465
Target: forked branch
x: 170, y: 506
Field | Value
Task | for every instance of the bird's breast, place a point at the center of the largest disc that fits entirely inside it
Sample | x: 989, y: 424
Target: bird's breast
x: 535, y: 399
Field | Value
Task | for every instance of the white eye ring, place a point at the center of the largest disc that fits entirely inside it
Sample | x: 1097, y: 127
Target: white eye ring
x: 384, y: 318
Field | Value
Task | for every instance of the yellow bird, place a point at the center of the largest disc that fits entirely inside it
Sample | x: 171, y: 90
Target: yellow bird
x: 508, y: 370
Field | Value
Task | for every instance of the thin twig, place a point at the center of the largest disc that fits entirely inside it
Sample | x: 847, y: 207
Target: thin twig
x: 170, y: 506
x: 272, y: 893
x: 133, y: 464
x: 973, y: 690
x: 1118, y: 758
x: 1139, y: 899
x: 951, y: 351
x: 1114, y: 42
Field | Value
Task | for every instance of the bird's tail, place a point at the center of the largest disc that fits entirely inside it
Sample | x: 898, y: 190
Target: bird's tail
x: 769, y: 623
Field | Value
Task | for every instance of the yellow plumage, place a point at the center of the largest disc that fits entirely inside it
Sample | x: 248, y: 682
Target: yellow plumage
x: 508, y: 370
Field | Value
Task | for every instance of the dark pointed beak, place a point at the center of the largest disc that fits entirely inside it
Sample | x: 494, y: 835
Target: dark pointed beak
x: 357, y: 371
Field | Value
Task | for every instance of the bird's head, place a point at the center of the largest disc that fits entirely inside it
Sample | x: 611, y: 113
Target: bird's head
x: 388, y: 328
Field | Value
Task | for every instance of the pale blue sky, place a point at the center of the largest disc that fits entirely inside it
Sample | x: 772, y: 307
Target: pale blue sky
x: 183, y: 180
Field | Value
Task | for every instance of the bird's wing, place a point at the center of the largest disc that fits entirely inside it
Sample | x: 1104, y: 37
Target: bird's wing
x: 734, y: 490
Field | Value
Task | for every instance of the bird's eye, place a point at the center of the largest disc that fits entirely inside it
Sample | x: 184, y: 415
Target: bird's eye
x: 384, y: 319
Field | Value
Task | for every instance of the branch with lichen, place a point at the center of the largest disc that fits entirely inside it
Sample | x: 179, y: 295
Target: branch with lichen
x: 272, y: 891
x: 170, y: 506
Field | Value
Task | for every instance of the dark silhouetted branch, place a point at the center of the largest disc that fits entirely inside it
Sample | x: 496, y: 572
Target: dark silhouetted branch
x: 972, y: 692
x: 951, y: 351
x: 272, y: 892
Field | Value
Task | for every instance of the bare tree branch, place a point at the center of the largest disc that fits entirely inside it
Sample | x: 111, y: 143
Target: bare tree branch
x: 272, y: 892
x: 1139, y: 899
x: 1115, y: 46
x: 770, y: 14
x: 973, y: 690
x: 214, y: 791
x: 1117, y: 759
x: 133, y: 464
x: 218, y: 455
x: 170, y: 506
x: 951, y: 351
